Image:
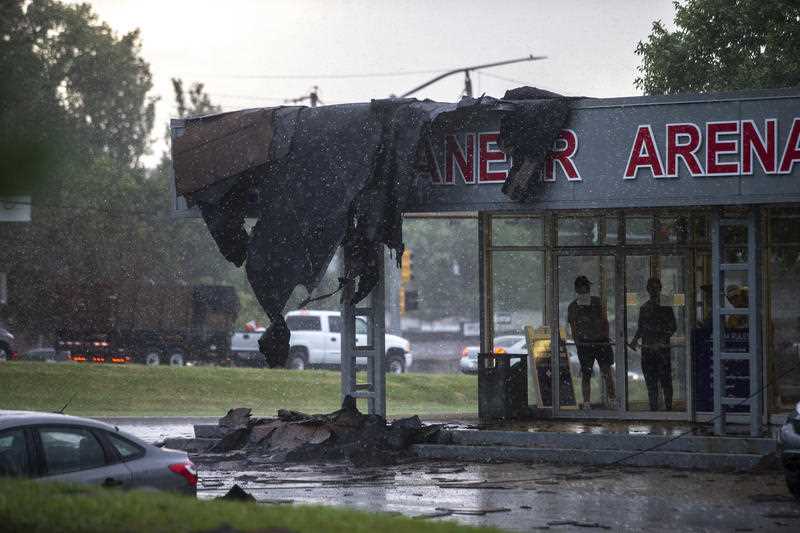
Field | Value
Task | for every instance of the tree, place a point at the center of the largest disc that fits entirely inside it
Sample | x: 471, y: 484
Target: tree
x: 722, y: 45
x: 75, y: 118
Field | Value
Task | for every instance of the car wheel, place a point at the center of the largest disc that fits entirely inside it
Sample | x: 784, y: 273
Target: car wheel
x: 176, y: 359
x: 395, y: 364
x: 152, y: 359
x: 297, y: 359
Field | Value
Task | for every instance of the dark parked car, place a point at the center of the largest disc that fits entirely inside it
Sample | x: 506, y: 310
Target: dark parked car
x: 54, y: 447
x: 6, y: 343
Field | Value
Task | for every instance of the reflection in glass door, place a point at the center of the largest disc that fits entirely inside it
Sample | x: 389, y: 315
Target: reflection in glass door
x: 656, y: 325
x: 586, y: 325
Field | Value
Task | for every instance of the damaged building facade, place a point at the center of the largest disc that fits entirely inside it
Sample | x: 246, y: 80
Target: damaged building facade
x: 701, y: 192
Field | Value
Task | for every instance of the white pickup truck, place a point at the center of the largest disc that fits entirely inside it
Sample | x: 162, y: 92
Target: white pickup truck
x: 316, y: 342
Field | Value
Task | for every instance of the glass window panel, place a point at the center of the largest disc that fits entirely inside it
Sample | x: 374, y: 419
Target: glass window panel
x: 518, y: 301
x: 701, y: 228
x: 702, y: 336
x: 586, y: 322
x: 303, y: 323
x: 656, y: 362
x: 784, y: 326
x: 672, y: 230
x: 785, y: 230
x: 586, y: 231
x: 735, y: 334
x: 638, y: 230
x: 13, y: 453
x: 363, y: 332
x: 70, y: 449
x: 335, y: 324
x: 517, y: 231
x: 733, y: 243
x: 735, y: 293
x: 126, y: 449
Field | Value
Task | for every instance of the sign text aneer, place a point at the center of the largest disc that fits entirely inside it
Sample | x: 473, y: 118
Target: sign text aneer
x: 718, y: 148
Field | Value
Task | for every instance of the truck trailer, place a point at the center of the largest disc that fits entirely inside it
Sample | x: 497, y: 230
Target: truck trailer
x: 146, y: 323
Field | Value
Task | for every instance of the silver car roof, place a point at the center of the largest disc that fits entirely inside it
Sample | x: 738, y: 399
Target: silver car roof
x: 10, y: 419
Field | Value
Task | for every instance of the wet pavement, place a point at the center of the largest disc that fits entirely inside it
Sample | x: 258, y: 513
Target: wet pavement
x: 529, y: 497
x: 514, y: 496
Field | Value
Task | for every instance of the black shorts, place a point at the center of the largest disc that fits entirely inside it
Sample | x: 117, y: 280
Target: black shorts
x: 599, y: 351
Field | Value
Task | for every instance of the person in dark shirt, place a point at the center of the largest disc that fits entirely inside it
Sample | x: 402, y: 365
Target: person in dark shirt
x: 655, y: 327
x: 588, y: 323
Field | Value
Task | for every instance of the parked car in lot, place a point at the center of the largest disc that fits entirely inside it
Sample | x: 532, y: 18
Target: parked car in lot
x: 55, y: 447
x: 316, y: 342
x: 516, y: 344
x: 469, y: 355
x: 6, y: 344
x: 789, y: 450
x: 46, y: 355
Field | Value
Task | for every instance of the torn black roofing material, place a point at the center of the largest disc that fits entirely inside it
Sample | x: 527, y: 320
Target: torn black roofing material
x: 335, y: 175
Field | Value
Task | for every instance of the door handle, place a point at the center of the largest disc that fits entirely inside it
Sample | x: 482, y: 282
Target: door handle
x: 111, y: 482
x: 333, y: 338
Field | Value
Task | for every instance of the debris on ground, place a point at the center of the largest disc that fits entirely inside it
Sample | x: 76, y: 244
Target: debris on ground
x: 344, y: 435
x: 238, y: 494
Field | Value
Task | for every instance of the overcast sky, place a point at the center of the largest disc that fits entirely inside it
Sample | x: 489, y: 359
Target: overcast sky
x: 252, y: 53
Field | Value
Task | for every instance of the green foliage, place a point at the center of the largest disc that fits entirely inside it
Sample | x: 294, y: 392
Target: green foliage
x: 74, y: 121
x: 199, y: 100
x: 44, y: 507
x: 137, y: 390
x: 721, y: 45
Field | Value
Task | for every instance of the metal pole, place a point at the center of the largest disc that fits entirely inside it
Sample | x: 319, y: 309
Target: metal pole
x: 467, y: 69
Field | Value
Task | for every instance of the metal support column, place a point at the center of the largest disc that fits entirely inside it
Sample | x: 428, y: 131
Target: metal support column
x: 363, y: 340
x: 732, y: 342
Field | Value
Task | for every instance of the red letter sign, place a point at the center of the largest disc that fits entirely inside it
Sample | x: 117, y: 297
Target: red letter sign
x: 685, y: 150
x: 564, y: 149
x: 766, y: 150
x: 487, y: 154
x: 454, y: 155
x: 716, y: 147
x: 644, y: 154
x: 791, y: 152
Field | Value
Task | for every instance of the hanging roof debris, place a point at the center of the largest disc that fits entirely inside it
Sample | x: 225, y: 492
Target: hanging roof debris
x: 335, y: 175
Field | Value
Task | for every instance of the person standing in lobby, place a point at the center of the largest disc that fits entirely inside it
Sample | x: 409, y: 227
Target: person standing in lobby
x: 655, y: 327
x: 588, y: 322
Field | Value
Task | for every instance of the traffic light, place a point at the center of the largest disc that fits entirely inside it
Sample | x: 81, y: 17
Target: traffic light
x: 402, y: 301
x: 405, y: 266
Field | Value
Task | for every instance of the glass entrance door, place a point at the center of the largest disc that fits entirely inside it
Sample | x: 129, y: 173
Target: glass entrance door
x: 586, y: 317
x: 656, y: 325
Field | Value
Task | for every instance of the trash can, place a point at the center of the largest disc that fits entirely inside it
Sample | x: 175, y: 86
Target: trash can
x: 502, y: 386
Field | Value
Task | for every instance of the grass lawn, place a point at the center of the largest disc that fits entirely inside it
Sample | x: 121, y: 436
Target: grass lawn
x: 45, y: 507
x: 140, y: 390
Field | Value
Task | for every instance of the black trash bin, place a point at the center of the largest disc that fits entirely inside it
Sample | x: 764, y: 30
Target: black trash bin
x: 502, y: 386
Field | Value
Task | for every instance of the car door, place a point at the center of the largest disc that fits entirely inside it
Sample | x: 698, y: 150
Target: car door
x: 361, y: 337
x: 74, y: 454
x: 333, y: 341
